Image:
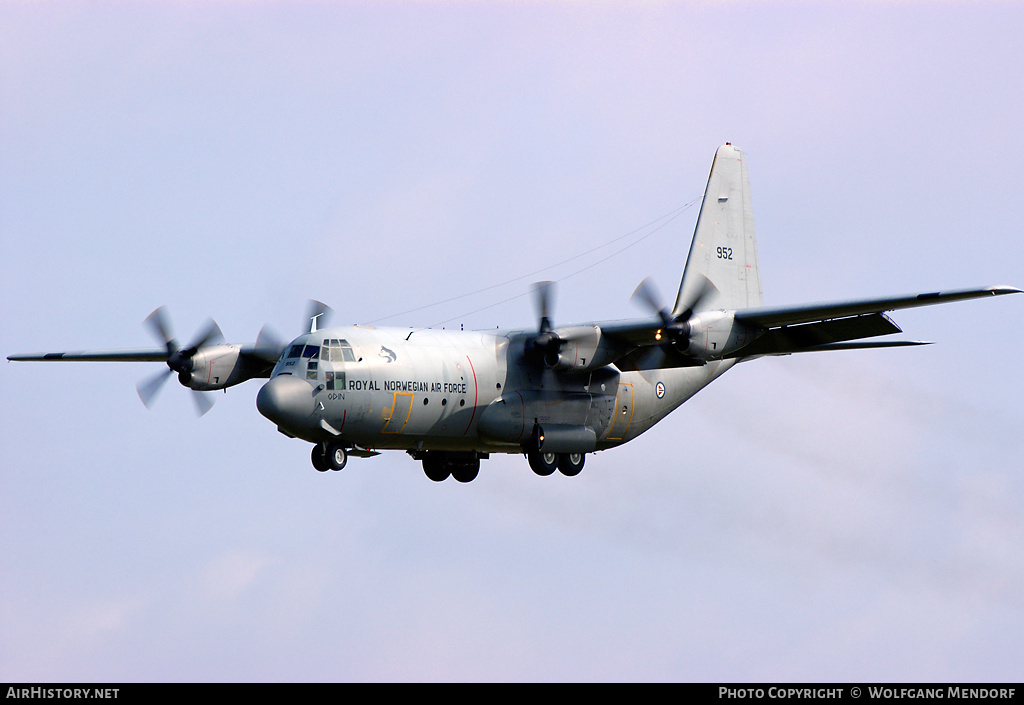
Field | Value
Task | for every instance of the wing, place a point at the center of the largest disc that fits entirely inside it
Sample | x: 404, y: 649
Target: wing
x: 783, y: 330
x: 832, y: 326
x: 139, y: 355
x: 770, y: 317
x: 260, y: 356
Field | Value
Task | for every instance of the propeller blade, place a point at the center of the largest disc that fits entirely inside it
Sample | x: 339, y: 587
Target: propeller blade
x: 268, y: 345
x: 149, y: 389
x: 161, y: 327
x: 695, y: 295
x: 543, y: 292
x: 203, y: 401
x: 645, y: 293
x: 210, y: 334
x: 319, y: 314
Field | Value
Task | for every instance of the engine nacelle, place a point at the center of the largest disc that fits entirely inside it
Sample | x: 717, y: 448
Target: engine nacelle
x: 215, y: 367
x: 716, y: 334
x: 582, y: 348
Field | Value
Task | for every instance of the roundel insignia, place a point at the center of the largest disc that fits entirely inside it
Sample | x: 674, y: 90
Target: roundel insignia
x: 659, y: 389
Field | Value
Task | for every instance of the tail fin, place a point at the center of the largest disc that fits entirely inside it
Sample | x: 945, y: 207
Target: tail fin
x: 724, y: 249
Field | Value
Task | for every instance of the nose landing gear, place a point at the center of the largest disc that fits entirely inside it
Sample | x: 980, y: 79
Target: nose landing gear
x: 332, y: 457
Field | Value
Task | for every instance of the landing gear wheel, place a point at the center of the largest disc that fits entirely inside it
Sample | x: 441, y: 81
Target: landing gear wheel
x: 466, y: 472
x: 542, y: 463
x: 570, y: 464
x: 318, y: 458
x: 435, y: 468
x: 336, y: 456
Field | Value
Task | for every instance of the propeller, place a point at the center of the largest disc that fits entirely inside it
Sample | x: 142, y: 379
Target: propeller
x: 269, y: 345
x: 178, y: 359
x: 318, y: 315
x: 546, y: 343
x: 676, y: 328
x: 695, y: 296
x: 647, y: 295
x: 542, y: 294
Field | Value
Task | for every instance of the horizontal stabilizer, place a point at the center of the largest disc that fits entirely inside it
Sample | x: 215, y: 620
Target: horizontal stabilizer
x: 790, y: 339
x: 867, y: 345
x: 852, y: 345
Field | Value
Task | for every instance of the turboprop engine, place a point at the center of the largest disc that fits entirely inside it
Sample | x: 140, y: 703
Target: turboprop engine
x: 203, y: 365
x: 714, y: 335
x: 212, y: 367
x: 704, y: 336
x: 570, y: 349
x: 579, y: 349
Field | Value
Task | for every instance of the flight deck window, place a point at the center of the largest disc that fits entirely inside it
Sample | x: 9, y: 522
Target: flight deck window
x: 294, y: 351
x: 335, y: 350
x: 312, y: 351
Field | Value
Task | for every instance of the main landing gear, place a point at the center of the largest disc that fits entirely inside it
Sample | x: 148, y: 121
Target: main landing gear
x: 440, y: 465
x: 463, y: 466
x: 332, y: 457
x: 544, y: 464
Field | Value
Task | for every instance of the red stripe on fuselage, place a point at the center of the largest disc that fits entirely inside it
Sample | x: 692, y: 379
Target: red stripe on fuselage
x: 476, y: 395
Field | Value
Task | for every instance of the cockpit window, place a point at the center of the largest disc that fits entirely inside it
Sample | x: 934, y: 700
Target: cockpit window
x: 335, y: 350
x: 311, y: 351
x: 294, y: 351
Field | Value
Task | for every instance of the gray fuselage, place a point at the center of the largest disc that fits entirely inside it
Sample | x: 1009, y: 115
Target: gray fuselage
x: 390, y: 388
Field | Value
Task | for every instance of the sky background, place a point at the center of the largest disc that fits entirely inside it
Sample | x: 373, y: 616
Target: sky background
x: 844, y: 517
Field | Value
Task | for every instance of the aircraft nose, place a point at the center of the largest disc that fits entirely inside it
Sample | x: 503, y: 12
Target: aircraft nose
x: 287, y: 401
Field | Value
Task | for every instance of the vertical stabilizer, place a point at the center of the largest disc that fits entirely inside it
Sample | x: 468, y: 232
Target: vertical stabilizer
x: 724, y: 249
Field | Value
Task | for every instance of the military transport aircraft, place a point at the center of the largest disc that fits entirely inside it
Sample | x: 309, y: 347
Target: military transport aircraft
x: 553, y: 393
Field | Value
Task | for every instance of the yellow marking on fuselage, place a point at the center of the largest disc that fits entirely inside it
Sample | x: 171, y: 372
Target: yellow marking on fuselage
x: 615, y: 417
x: 390, y: 413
